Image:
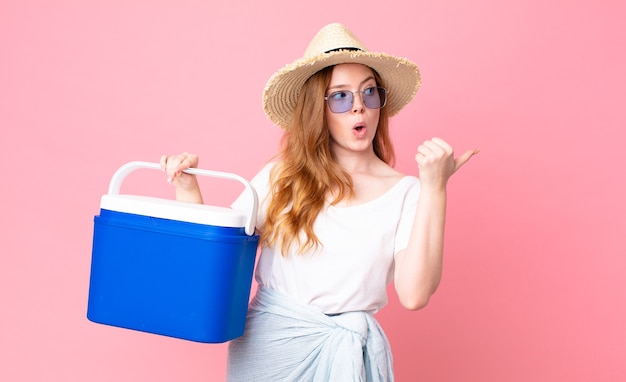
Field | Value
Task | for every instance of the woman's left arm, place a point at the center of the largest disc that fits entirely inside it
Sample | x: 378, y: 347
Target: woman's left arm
x: 418, y: 267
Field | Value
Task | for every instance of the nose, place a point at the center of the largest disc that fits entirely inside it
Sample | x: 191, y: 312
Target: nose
x: 357, y: 102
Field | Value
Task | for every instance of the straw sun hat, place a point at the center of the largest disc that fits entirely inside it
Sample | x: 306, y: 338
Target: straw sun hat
x: 334, y: 44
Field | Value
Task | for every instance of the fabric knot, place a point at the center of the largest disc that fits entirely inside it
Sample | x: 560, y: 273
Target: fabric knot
x: 355, y: 322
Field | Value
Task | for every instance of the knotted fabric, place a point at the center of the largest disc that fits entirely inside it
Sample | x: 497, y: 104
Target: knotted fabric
x: 288, y: 341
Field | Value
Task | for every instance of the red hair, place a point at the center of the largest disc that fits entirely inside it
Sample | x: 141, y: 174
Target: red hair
x: 306, y: 172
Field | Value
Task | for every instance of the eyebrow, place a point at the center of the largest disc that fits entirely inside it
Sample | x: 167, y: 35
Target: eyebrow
x: 343, y: 86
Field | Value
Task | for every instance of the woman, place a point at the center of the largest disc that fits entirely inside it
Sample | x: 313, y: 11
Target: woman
x: 337, y: 221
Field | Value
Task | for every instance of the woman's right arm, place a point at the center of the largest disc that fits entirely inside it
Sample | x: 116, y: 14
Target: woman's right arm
x: 187, y: 189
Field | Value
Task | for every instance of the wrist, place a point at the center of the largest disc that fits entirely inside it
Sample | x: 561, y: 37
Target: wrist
x: 433, y: 187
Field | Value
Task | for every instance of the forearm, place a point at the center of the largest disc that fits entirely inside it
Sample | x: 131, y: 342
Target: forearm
x: 418, y: 268
x: 187, y: 188
x: 191, y: 194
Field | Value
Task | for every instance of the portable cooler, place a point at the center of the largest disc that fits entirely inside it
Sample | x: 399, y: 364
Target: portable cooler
x: 172, y: 268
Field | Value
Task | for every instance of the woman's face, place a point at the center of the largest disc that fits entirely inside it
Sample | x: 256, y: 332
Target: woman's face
x: 353, y: 130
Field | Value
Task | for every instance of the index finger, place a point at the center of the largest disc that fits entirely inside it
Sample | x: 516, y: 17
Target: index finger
x: 163, y: 161
x: 445, y: 145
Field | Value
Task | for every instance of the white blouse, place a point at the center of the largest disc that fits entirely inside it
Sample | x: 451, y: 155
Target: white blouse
x: 351, y: 269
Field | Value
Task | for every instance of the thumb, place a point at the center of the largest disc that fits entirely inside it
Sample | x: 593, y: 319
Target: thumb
x: 461, y: 160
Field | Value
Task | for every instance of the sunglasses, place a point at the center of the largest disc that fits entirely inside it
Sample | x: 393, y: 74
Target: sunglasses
x: 341, y: 101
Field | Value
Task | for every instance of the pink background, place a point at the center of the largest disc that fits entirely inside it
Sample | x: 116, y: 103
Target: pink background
x: 534, y: 284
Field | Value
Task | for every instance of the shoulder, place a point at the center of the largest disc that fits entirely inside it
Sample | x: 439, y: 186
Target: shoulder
x: 262, y: 177
x: 388, y: 176
x: 397, y: 178
x: 402, y: 186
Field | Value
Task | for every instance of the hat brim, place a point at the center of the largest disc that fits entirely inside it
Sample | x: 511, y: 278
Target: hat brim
x: 400, y: 75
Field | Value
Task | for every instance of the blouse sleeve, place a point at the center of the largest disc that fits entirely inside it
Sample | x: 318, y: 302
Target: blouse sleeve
x: 407, y: 216
x: 260, y: 183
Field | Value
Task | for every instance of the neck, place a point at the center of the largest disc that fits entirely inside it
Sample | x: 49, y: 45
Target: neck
x: 356, y: 162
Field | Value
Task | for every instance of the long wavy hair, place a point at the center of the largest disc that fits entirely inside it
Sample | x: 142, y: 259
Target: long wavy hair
x: 306, y: 172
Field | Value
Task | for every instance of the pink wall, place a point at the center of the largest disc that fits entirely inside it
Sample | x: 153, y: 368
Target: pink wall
x: 534, y: 284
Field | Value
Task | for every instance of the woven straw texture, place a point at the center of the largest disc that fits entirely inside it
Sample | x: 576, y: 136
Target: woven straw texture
x: 332, y: 45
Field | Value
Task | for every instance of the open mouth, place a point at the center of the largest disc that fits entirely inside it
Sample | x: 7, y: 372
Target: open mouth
x: 359, y: 127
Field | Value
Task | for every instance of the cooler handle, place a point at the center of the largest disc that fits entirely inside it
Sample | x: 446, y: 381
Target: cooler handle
x: 124, y: 170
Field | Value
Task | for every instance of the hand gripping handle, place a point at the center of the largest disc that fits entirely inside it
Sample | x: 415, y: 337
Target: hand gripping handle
x: 124, y: 170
